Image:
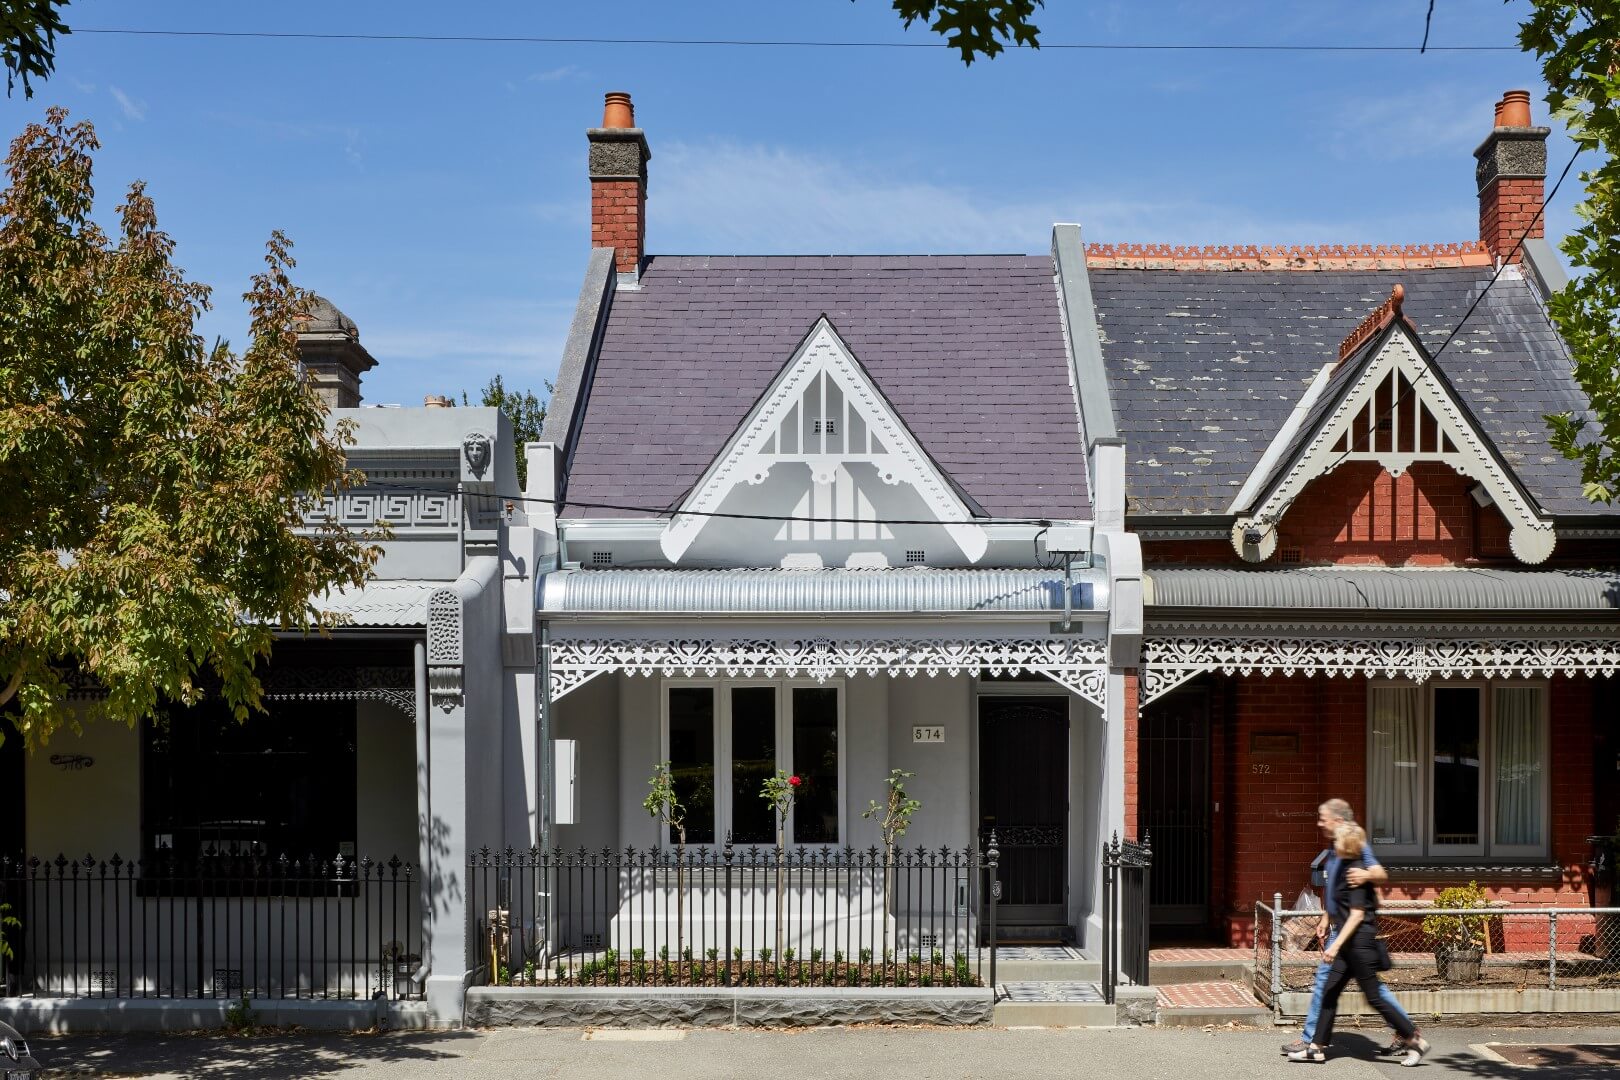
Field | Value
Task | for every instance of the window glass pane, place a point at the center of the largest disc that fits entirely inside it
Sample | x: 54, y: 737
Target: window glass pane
x: 753, y: 761
x: 1394, y: 782
x: 691, y: 759
x: 815, y: 762
x: 1516, y: 749
x: 1456, y: 765
x: 275, y: 784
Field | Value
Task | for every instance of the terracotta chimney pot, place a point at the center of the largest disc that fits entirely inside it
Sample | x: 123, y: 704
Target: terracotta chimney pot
x: 618, y: 111
x: 1514, y: 111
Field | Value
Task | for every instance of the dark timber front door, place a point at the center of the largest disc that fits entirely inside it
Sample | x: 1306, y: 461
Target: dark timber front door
x: 1024, y: 796
x: 1175, y: 805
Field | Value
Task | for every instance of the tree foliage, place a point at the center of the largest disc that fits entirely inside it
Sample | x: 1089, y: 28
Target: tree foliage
x: 1579, y: 48
x: 154, y: 487
x: 976, y: 27
x: 28, y: 30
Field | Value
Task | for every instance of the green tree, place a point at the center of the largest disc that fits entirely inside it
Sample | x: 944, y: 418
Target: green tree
x: 154, y: 487
x: 976, y: 27
x: 28, y: 30
x: 526, y: 411
x: 1579, y: 48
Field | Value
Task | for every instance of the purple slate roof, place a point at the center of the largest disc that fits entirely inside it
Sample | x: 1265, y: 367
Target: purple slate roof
x: 967, y: 348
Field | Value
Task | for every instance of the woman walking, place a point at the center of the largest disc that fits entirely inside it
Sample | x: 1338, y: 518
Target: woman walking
x: 1354, y: 954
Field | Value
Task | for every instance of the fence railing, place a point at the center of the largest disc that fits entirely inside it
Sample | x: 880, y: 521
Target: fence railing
x: 1503, y: 946
x: 217, y: 927
x: 1127, y: 901
x: 733, y: 916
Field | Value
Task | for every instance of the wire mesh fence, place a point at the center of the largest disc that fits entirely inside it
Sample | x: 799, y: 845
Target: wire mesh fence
x: 223, y: 926
x: 1433, y: 948
x: 733, y: 916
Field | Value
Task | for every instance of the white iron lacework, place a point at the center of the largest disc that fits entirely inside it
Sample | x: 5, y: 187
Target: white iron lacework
x: 824, y: 412
x: 1079, y: 664
x: 1167, y: 662
x: 1428, y: 424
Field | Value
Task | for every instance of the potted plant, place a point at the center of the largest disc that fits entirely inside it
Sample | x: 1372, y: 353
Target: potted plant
x: 1458, y: 940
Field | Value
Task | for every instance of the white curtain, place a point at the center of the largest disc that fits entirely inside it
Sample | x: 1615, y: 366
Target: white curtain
x: 1394, y: 778
x: 1517, y: 745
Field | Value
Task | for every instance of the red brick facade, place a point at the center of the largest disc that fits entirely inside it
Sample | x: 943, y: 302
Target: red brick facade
x: 1510, y: 209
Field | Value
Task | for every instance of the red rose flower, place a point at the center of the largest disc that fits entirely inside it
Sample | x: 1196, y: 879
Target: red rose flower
x: 795, y: 781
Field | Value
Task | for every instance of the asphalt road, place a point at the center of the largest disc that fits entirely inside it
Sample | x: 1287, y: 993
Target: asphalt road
x: 869, y: 1053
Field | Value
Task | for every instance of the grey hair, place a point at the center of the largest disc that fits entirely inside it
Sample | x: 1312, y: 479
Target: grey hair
x: 1339, y: 810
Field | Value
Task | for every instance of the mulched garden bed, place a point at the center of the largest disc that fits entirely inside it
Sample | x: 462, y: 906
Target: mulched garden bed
x: 611, y: 970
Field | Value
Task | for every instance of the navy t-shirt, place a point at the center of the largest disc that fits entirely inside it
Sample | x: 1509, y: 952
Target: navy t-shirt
x: 1329, y: 901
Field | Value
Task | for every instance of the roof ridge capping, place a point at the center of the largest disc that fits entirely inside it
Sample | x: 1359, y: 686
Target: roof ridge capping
x: 1384, y: 314
x: 1288, y: 257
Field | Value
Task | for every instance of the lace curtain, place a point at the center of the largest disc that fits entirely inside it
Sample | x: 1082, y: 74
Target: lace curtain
x: 1394, y: 781
x: 1517, y: 739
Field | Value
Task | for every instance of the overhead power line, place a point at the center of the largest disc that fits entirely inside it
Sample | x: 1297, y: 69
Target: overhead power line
x: 525, y: 39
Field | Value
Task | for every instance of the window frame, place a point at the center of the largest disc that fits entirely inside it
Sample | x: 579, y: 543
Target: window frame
x: 1487, y: 848
x: 724, y: 794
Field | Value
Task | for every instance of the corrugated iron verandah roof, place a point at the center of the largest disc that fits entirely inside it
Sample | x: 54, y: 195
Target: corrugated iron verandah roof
x: 837, y: 592
x: 1455, y: 589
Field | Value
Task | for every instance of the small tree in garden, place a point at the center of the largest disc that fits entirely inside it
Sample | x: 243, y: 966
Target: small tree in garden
x: 779, y: 790
x: 662, y: 804
x: 893, y: 818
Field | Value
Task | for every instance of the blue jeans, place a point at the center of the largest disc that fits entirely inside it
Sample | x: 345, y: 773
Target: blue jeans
x: 1315, y: 1011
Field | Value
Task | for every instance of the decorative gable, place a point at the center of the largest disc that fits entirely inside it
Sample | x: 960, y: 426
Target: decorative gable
x: 824, y: 448
x: 1385, y: 402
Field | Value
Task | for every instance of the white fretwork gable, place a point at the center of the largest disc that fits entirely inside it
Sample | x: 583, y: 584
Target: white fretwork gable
x: 825, y: 450
x: 1400, y: 410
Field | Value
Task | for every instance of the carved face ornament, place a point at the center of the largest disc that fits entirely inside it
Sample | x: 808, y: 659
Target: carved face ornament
x: 476, y: 447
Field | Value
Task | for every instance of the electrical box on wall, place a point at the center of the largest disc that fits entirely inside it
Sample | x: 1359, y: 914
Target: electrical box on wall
x: 566, y: 781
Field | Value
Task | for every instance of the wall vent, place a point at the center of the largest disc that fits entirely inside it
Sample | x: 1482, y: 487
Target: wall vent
x: 591, y: 939
x: 601, y: 558
x: 826, y: 425
x: 1289, y: 555
x: 916, y: 555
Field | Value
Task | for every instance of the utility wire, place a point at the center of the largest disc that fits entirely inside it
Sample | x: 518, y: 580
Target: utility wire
x: 1428, y: 20
x: 521, y: 39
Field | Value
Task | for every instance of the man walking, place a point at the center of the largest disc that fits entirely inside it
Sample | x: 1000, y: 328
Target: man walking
x: 1329, y: 816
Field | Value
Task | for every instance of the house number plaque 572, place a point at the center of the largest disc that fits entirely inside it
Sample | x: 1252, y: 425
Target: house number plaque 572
x: 931, y: 733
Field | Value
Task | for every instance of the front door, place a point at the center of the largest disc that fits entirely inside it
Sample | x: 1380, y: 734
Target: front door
x: 1175, y: 805
x: 1024, y: 797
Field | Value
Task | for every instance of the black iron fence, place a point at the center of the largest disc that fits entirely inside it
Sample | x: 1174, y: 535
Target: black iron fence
x: 1127, y: 898
x: 733, y: 916
x: 218, y: 927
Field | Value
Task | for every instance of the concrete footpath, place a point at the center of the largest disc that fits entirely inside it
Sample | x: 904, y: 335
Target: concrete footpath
x: 805, y: 1055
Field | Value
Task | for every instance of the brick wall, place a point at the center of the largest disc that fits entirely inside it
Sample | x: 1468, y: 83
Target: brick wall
x: 1265, y: 835
x: 619, y: 221
x: 1507, y: 208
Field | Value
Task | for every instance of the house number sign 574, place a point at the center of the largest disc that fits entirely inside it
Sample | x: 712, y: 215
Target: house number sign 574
x: 929, y: 733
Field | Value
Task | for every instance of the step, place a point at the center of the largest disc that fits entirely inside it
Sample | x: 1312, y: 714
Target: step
x: 1203, y: 1003
x: 1174, y: 972
x: 1077, y: 970
x: 1057, y: 1003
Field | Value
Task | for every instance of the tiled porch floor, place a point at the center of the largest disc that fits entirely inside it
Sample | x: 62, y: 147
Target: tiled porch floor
x: 1051, y: 991
x: 1039, y: 952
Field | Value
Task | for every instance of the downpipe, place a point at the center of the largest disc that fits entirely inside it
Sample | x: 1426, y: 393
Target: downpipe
x: 424, y: 811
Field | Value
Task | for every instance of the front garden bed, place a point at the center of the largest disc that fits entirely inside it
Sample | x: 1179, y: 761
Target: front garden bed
x: 609, y: 968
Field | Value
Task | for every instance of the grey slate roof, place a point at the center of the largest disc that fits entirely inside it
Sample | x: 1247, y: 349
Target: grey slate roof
x: 1387, y: 589
x: 1205, y: 367
x: 969, y: 350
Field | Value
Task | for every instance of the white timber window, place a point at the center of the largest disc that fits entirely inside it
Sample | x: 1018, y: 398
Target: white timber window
x: 1458, y: 769
x: 725, y: 738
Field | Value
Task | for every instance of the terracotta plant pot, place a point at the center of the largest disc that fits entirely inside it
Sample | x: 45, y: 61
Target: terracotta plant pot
x: 619, y: 112
x: 1515, y: 109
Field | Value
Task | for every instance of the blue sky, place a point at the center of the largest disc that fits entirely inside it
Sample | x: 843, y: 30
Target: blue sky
x: 437, y: 192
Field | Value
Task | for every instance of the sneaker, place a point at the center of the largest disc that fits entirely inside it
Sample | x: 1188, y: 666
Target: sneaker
x: 1300, y: 1044
x: 1415, y: 1051
x: 1313, y: 1054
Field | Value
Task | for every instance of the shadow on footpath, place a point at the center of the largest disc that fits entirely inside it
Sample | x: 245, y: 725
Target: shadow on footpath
x: 240, y: 1057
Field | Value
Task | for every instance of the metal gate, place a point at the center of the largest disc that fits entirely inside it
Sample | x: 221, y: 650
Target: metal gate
x: 1127, y: 874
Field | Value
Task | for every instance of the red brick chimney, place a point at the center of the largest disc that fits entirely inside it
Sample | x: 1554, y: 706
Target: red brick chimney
x: 618, y: 168
x: 1511, y: 173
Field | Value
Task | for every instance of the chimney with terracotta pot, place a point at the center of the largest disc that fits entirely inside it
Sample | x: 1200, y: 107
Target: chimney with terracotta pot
x: 618, y: 168
x: 1512, y: 172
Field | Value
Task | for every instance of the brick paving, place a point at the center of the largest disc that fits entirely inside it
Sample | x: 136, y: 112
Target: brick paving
x: 1206, y: 995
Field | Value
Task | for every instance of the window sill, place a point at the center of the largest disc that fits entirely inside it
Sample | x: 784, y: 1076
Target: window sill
x: 1401, y: 873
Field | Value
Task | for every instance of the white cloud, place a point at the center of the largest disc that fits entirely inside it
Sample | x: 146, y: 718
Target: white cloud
x: 554, y: 74
x: 752, y: 199
x: 133, y: 110
x: 1435, y: 121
